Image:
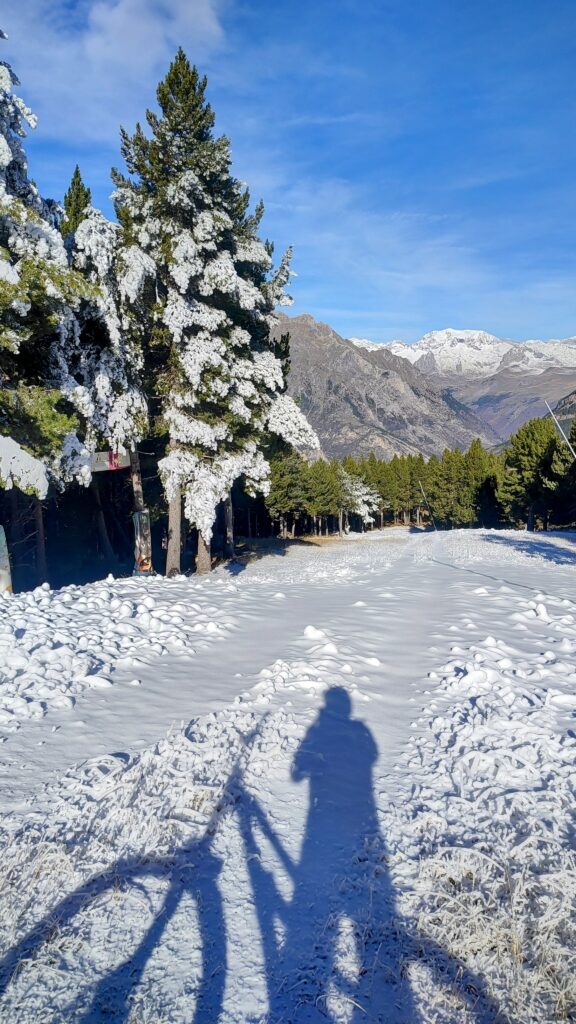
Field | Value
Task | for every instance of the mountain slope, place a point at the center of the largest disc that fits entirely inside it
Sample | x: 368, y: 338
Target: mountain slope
x: 512, y: 396
x: 502, y: 382
x: 361, y: 400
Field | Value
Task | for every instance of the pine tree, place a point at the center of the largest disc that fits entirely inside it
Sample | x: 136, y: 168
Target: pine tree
x: 288, y: 494
x: 76, y: 201
x: 528, y: 458
x: 357, y: 497
x: 221, y: 377
x: 325, y: 489
x: 38, y: 296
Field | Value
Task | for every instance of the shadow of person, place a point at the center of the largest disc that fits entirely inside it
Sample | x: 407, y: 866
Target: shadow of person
x: 341, y: 882
x: 338, y: 950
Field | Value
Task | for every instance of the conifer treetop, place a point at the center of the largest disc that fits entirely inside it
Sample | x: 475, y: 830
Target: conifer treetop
x: 76, y: 201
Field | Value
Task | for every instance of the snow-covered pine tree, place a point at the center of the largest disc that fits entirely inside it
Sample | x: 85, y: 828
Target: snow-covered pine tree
x: 358, y: 498
x: 101, y: 366
x: 38, y: 292
x: 106, y: 366
x: 221, y: 376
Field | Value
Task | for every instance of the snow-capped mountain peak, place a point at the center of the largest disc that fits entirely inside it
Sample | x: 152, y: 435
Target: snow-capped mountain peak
x: 478, y: 354
x: 365, y: 343
x: 471, y: 353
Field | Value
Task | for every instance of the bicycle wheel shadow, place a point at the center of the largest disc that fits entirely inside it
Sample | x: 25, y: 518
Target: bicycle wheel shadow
x: 344, y: 951
x: 192, y: 871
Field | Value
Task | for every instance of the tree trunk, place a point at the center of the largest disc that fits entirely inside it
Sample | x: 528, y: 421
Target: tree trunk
x: 228, y: 527
x: 104, y: 537
x: 41, y: 563
x: 136, y: 476
x: 340, y: 523
x: 5, y: 570
x: 142, y: 529
x: 174, y: 536
x: 15, y: 517
x: 203, y: 558
x: 530, y: 522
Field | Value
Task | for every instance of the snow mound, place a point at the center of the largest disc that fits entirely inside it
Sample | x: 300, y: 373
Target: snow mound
x: 56, y: 644
x: 491, y: 817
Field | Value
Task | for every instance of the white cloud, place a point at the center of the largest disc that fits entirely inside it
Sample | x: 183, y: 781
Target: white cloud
x: 88, y: 67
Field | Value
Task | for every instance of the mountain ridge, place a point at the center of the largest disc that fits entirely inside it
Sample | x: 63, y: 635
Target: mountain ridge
x: 477, y: 353
x: 362, y: 399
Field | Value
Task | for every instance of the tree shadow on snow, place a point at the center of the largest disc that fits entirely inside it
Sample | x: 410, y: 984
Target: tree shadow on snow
x: 336, y: 950
x: 542, y: 547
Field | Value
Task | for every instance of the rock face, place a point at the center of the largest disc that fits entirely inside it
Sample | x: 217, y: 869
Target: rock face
x: 512, y: 396
x: 566, y: 411
x: 362, y: 399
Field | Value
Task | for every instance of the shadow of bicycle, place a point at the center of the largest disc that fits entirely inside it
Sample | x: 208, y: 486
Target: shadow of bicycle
x: 336, y: 950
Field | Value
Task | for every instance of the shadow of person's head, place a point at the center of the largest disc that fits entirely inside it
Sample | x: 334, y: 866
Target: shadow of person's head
x: 337, y: 702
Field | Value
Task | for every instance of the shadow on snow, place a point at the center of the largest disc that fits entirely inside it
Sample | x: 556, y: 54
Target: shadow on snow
x: 538, y: 548
x: 339, y: 941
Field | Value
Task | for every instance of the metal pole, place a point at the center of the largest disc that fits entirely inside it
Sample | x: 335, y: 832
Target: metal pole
x: 427, y: 505
x: 560, y: 429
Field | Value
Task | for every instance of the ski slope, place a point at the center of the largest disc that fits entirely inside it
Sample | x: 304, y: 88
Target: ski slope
x: 337, y: 784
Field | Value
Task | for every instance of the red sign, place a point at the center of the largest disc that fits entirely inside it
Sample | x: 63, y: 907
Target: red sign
x: 105, y: 461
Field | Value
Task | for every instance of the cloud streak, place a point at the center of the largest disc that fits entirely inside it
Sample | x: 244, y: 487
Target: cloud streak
x: 87, y: 66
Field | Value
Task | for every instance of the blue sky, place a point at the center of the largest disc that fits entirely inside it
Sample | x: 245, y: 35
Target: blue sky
x: 420, y: 155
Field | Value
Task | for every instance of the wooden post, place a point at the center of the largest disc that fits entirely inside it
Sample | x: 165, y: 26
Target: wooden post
x: 41, y: 563
x: 142, y: 529
x: 203, y: 558
x: 229, y: 526
x: 174, y: 535
x: 136, y: 476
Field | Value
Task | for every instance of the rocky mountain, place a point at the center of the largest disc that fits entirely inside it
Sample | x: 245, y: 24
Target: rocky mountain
x: 502, y: 382
x: 362, y: 399
x: 512, y: 395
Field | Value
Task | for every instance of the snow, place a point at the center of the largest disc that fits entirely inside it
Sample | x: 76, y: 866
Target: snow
x: 372, y: 346
x: 19, y: 468
x: 478, y: 354
x: 336, y: 783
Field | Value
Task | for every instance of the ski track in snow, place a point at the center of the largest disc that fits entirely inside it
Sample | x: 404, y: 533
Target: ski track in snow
x: 275, y: 859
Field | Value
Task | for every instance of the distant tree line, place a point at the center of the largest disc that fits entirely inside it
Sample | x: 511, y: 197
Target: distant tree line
x: 532, y: 483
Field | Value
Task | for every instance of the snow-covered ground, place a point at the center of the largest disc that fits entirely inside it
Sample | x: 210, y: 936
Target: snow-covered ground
x: 335, y: 785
